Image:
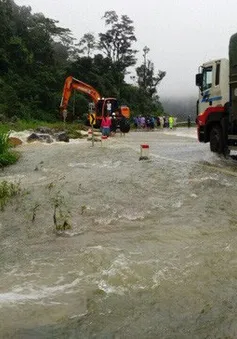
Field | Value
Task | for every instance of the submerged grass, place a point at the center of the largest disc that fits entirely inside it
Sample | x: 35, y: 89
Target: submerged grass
x: 4, y: 145
x: 8, y: 190
x: 7, y: 156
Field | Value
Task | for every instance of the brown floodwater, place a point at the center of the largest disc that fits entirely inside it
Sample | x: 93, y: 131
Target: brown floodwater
x: 152, y: 247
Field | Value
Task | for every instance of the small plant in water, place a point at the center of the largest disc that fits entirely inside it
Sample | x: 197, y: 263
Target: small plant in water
x: 36, y: 206
x: 8, y: 190
x: 60, y: 217
x: 83, y: 209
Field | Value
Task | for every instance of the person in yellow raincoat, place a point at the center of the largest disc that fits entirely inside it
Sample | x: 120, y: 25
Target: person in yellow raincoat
x: 171, y: 122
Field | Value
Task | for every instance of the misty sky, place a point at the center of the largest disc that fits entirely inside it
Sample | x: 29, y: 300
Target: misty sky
x: 181, y: 34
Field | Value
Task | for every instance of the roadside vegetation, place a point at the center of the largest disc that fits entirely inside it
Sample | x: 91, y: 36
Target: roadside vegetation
x: 7, y: 155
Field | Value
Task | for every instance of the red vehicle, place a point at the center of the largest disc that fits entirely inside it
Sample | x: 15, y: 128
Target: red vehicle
x: 217, y: 103
x: 101, y: 105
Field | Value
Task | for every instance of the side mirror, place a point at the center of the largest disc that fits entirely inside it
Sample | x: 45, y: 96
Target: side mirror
x: 199, y: 80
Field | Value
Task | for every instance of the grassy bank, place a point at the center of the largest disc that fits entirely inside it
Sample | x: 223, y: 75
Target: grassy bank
x: 7, y: 155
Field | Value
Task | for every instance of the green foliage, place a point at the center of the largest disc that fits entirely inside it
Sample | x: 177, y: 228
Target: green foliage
x: 117, y: 41
x: 147, y: 80
x: 4, y: 145
x: 147, y: 84
x: 87, y: 44
x: 7, y: 157
x: 36, y: 56
x: 8, y: 190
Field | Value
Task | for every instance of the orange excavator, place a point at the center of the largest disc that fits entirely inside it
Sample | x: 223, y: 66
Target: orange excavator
x: 102, y: 106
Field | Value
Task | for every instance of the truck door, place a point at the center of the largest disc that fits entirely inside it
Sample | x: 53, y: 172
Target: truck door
x: 206, y: 91
x: 214, y: 89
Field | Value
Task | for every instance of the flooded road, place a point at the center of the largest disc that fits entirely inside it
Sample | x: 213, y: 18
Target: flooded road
x: 151, y: 251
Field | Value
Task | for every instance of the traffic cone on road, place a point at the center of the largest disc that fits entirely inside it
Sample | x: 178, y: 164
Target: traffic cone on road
x: 144, y: 152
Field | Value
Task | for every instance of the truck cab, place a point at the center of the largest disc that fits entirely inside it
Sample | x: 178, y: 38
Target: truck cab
x: 213, y: 83
x: 212, y: 104
x: 217, y: 102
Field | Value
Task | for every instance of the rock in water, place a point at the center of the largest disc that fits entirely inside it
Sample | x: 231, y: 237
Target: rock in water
x: 61, y: 136
x: 40, y: 137
x: 13, y: 141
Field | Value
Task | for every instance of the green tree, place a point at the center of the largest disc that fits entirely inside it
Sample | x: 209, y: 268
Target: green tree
x: 116, y: 42
x: 87, y: 44
x: 147, y: 83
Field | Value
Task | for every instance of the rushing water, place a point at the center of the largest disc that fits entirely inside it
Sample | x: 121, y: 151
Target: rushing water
x: 152, y: 249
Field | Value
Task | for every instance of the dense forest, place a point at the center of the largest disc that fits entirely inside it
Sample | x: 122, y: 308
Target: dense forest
x: 36, y: 55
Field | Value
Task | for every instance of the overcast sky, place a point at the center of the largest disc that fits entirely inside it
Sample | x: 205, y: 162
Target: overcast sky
x: 181, y: 34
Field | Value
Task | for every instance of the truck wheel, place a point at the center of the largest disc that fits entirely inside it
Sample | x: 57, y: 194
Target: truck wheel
x: 216, y: 140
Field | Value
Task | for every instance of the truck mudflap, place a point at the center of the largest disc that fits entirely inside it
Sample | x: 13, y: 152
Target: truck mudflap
x: 204, y: 120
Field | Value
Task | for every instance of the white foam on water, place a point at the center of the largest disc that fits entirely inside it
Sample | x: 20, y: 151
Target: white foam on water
x: 75, y: 141
x: 108, y: 289
x: 99, y: 247
x: 214, y: 178
x: 75, y: 316
x: 132, y: 216
x: 182, y: 132
x: 23, y: 135
x: 104, y: 221
x: 30, y: 293
x: 119, y: 264
x: 78, y: 164
x: 177, y: 204
x: 108, y: 164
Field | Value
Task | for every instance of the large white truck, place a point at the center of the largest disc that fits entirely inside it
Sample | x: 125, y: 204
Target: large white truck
x: 217, y: 102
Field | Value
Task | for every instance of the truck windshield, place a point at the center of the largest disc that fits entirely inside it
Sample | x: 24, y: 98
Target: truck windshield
x: 207, y: 77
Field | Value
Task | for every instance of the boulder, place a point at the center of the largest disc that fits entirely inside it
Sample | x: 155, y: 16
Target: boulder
x: 13, y: 141
x: 61, y: 136
x: 40, y: 137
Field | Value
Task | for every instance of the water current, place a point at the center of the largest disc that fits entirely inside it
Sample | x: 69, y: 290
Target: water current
x: 151, y: 251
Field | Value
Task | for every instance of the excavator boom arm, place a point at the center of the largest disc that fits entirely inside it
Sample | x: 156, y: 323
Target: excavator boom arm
x: 71, y: 84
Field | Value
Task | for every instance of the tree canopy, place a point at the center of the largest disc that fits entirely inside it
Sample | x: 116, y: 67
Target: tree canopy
x: 36, y: 55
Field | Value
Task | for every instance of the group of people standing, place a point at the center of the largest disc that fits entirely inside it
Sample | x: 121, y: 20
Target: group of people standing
x: 149, y: 123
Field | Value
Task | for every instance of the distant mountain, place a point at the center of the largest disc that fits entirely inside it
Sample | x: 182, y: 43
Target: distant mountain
x: 180, y: 107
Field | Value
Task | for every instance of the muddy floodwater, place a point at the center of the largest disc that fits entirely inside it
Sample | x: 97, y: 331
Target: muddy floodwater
x: 150, y: 250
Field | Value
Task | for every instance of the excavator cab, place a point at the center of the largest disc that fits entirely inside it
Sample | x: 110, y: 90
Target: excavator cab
x: 106, y: 106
